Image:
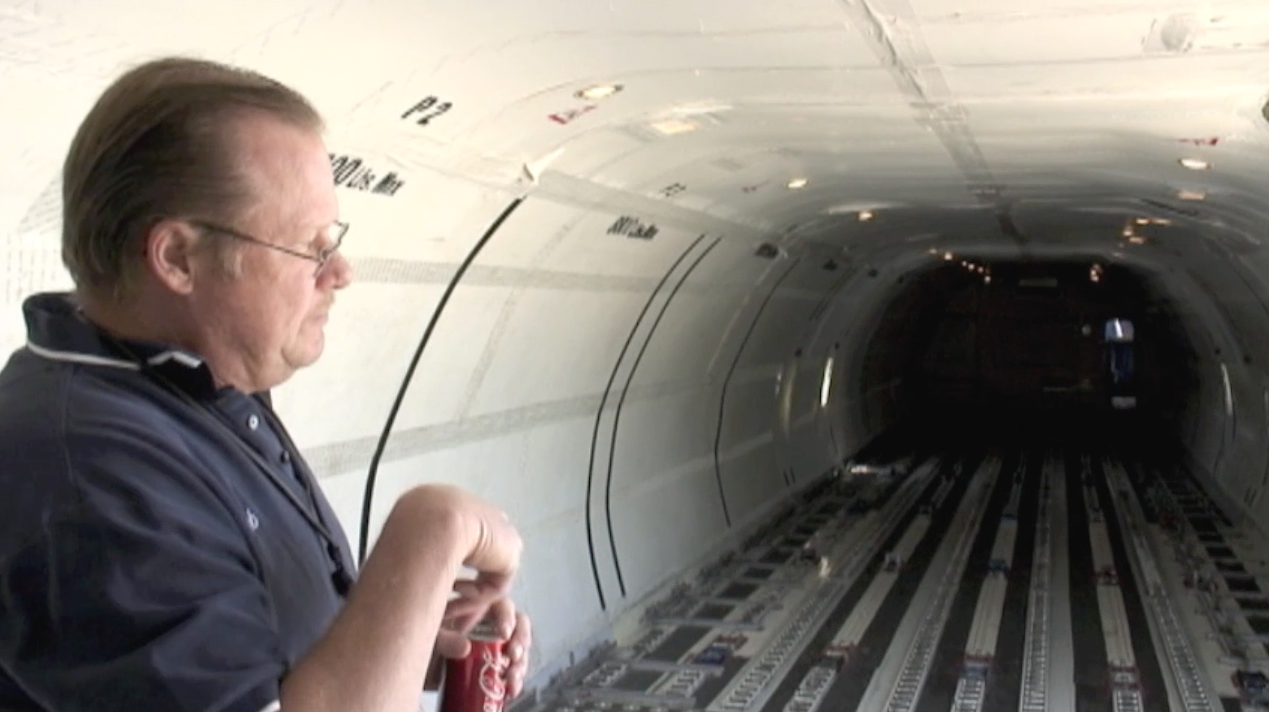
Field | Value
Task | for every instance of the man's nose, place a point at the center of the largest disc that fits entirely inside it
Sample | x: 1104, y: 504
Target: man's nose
x: 338, y: 271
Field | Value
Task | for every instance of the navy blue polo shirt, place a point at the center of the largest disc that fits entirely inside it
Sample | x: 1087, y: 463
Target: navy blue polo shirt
x: 146, y: 561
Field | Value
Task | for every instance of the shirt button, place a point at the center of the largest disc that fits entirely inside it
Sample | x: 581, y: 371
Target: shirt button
x: 253, y: 421
x: 286, y: 457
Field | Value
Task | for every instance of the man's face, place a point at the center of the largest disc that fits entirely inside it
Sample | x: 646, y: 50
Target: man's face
x: 269, y: 319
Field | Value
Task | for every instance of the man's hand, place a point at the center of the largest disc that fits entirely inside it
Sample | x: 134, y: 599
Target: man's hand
x: 479, y: 600
x: 377, y: 652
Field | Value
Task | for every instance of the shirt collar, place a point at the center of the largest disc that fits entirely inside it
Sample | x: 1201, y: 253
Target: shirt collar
x: 56, y: 330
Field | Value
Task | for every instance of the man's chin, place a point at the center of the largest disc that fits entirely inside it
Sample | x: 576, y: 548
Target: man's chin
x: 307, y: 353
x: 313, y: 352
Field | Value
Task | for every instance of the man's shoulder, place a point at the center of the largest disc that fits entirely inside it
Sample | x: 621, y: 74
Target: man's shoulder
x: 51, y: 400
x: 71, y: 436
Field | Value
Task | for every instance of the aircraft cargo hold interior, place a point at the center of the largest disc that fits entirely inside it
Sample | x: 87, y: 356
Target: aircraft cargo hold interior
x: 827, y: 354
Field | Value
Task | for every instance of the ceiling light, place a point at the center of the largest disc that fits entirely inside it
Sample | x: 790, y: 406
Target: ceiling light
x: 1195, y: 164
x: 1161, y: 221
x: 670, y: 127
x: 601, y: 91
x: 1137, y: 240
x: 948, y: 256
x: 855, y: 207
x: 1128, y: 231
x: 865, y: 215
x: 798, y: 183
x: 697, y: 108
x: 1184, y: 194
x: 1143, y: 221
x: 987, y: 279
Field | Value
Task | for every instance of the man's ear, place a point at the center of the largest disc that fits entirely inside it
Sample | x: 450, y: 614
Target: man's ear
x: 169, y: 254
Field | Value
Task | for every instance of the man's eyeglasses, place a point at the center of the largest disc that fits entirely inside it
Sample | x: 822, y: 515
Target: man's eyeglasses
x: 338, y: 230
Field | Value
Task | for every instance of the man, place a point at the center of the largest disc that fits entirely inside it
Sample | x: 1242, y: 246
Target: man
x: 163, y: 546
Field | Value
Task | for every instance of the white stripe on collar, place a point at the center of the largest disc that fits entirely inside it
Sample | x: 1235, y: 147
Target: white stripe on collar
x: 178, y: 356
x: 73, y: 357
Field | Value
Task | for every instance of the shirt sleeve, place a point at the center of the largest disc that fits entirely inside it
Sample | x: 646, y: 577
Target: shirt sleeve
x: 141, y: 595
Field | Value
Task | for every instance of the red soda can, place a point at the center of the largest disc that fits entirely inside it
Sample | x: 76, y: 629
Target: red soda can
x: 478, y: 682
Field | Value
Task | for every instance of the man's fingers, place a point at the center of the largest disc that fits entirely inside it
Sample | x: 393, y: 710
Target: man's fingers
x: 483, y: 588
x: 479, y: 600
x: 453, y: 645
x: 492, y: 584
x: 462, y: 614
x: 502, y: 615
x: 452, y: 642
x: 518, y: 652
x: 521, y: 639
x: 467, y: 588
x: 462, y: 607
x: 515, y: 676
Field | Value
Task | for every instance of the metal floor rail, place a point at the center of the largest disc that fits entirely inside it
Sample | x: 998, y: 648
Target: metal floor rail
x: 1191, y: 552
x: 1185, y: 670
x: 812, y: 689
x: 907, y: 688
x: 1033, y: 697
x: 970, y: 693
x: 1127, y: 699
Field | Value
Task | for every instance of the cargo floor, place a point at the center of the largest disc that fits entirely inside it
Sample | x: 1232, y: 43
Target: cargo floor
x: 972, y: 579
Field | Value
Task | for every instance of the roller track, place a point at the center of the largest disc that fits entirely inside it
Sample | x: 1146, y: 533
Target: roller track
x: 1035, y: 660
x: 916, y: 666
x: 1181, y: 662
